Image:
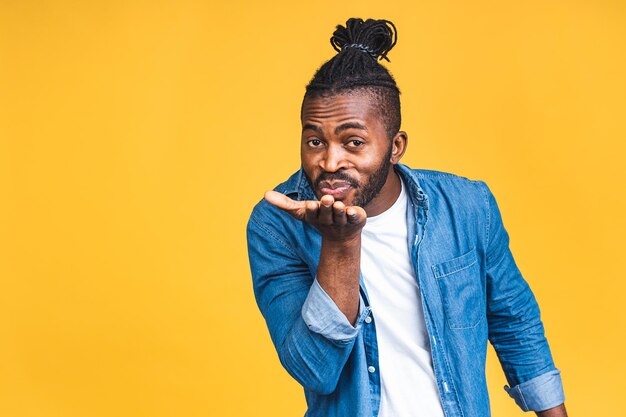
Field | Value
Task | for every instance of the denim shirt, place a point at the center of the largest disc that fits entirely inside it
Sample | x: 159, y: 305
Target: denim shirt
x: 471, y: 291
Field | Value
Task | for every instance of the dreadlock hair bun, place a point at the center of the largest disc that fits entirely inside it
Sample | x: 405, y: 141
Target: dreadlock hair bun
x: 360, y: 45
x: 374, y: 37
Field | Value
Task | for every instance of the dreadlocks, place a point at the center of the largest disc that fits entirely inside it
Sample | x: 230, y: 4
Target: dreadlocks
x: 360, y: 45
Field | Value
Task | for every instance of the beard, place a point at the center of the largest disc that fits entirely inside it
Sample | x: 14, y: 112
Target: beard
x: 366, y: 192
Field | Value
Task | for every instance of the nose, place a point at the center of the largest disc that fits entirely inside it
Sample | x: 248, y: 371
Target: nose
x: 333, y: 159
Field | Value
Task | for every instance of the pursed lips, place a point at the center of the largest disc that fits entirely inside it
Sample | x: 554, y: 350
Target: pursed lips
x: 337, y: 189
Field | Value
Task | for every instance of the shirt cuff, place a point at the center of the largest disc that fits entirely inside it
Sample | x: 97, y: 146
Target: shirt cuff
x: 540, y: 393
x: 321, y: 315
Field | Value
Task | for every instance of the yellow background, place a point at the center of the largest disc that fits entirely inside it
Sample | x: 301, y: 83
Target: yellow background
x: 135, y: 137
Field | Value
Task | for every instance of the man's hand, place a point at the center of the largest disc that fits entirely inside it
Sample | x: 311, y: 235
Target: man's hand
x: 334, y: 220
x: 340, y: 255
x: 558, y: 411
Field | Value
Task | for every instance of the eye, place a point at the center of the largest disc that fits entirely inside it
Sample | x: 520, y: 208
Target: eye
x: 355, y: 143
x: 314, y: 143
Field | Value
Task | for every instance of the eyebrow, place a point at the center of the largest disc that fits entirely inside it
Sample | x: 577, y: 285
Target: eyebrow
x: 341, y: 127
x: 311, y: 127
x: 350, y: 125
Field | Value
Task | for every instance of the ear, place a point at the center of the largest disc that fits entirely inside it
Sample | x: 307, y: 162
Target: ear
x: 398, y: 146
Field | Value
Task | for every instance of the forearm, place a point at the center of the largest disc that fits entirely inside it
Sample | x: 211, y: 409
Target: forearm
x: 311, y: 335
x: 558, y: 411
x: 515, y: 327
x: 338, y: 274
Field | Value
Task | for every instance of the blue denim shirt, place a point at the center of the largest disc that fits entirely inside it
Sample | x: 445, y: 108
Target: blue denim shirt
x: 471, y: 290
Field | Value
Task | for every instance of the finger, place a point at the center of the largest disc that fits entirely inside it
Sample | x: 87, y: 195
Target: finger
x: 339, y: 213
x: 312, y: 208
x: 356, y: 214
x: 282, y: 201
x: 326, y: 210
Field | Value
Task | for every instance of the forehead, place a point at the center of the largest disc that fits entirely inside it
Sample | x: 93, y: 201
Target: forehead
x: 340, y: 107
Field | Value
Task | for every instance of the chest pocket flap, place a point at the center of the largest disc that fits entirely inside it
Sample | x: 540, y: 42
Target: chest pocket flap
x: 459, y: 282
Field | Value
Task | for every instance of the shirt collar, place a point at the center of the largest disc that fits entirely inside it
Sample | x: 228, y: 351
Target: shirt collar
x: 415, y: 191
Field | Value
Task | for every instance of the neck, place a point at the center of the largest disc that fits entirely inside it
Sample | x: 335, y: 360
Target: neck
x: 387, y: 195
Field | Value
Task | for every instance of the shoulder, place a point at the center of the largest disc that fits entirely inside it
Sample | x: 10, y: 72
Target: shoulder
x: 451, y: 194
x: 437, y: 182
x: 441, y: 176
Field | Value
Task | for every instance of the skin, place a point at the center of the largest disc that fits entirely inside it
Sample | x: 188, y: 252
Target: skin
x: 344, y: 139
x: 558, y: 411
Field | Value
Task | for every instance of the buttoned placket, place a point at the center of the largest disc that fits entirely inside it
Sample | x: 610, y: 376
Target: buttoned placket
x: 417, y: 220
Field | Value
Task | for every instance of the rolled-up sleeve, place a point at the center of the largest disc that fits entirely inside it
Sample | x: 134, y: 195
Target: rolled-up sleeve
x: 540, y: 393
x: 322, y: 316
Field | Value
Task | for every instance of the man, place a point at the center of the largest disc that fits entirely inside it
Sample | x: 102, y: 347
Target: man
x: 381, y: 284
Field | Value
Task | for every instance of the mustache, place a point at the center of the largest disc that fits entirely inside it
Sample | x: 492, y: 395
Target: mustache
x: 336, y: 176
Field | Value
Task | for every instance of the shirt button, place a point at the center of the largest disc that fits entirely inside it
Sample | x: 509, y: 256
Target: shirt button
x: 371, y: 369
x: 368, y: 319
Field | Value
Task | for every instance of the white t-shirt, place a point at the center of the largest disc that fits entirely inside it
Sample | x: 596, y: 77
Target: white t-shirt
x: 408, y: 387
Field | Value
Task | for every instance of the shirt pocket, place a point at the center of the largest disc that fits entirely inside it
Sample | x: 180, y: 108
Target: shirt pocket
x: 459, y: 282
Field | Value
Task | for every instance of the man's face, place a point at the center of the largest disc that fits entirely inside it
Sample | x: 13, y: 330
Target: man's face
x: 345, y: 150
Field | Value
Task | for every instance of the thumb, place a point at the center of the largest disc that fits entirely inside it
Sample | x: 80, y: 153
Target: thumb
x: 282, y: 201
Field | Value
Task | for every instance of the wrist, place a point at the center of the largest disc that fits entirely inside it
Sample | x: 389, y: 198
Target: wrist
x: 352, y: 241
x: 558, y: 411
